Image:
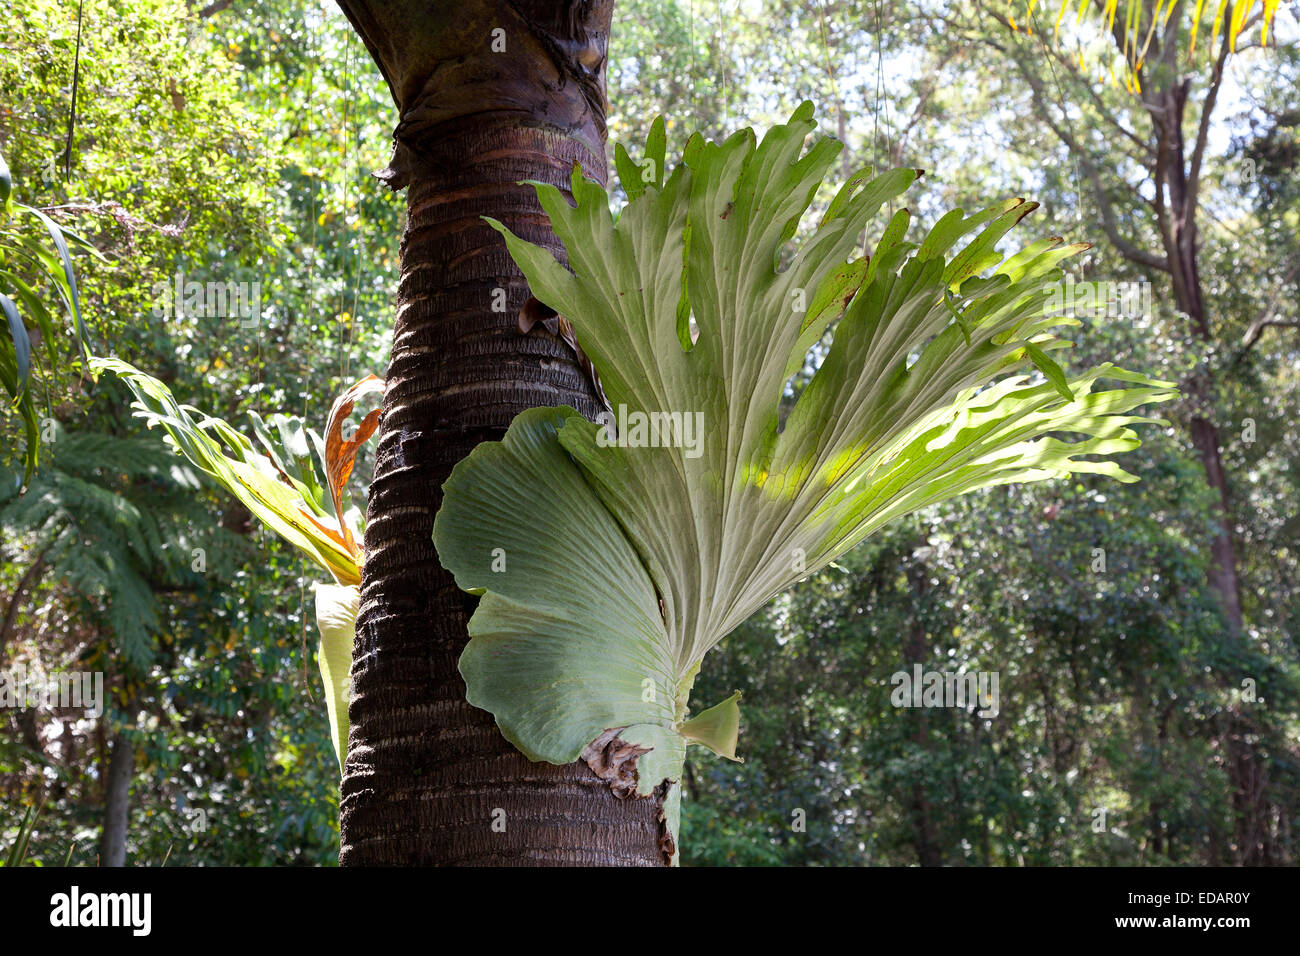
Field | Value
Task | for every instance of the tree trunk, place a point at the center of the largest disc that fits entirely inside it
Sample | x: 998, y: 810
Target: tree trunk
x: 27, y: 583
x: 917, y: 652
x: 1179, y: 234
x: 489, y: 94
x: 117, y: 802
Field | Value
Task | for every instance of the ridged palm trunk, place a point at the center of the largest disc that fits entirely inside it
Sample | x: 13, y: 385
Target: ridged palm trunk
x: 490, y: 94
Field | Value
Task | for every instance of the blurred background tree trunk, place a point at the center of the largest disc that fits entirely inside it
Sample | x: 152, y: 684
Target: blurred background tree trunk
x: 117, y: 801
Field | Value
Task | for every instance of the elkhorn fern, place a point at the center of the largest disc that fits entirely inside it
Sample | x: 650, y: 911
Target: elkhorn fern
x: 610, y: 568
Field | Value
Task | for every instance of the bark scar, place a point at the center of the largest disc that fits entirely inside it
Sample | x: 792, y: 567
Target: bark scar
x: 614, y: 760
x: 534, y: 312
x: 666, y: 845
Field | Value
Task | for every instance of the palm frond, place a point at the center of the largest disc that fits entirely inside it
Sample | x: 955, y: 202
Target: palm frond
x: 1138, y: 27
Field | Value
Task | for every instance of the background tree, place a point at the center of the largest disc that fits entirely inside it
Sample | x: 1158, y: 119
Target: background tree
x: 1159, y: 125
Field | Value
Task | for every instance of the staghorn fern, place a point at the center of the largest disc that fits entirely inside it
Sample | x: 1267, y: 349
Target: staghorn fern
x: 302, y: 498
x: 609, y: 568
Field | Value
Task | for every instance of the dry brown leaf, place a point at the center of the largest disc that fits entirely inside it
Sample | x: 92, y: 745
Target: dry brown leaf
x: 341, y: 453
x: 534, y: 313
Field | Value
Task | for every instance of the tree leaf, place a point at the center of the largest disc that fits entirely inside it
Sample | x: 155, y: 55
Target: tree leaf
x: 341, y: 453
x: 6, y: 184
x: 529, y: 660
x: 249, y: 476
x: 716, y: 728
x: 36, y: 309
x: 1043, y: 362
x: 336, y: 620
x: 22, y: 344
x: 68, y: 288
x: 15, y: 369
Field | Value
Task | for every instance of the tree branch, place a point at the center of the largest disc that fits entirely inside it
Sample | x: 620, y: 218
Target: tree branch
x: 1256, y: 328
x: 1109, y: 223
x: 29, y: 580
x: 1203, y: 129
x: 214, y: 8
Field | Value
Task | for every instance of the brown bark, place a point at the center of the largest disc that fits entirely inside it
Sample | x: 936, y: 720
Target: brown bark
x: 429, y: 779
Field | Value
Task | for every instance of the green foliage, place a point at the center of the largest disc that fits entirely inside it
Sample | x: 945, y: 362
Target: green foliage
x: 26, y: 264
x: 18, y: 849
x: 1107, y: 682
x: 226, y: 148
x: 112, y: 520
x: 286, y: 489
x: 336, y: 619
